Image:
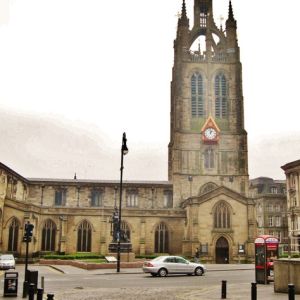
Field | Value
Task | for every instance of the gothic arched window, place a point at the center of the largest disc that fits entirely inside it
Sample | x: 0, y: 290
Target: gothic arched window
x: 197, y: 95
x: 221, y: 96
x: 84, y: 237
x: 207, y: 188
x: 222, y: 216
x: 161, y: 239
x: 13, y: 235
x: 209, y: 159
x: 48, y: 236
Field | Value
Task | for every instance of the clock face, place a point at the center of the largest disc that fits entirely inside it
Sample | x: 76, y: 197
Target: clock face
x: 210, y: 133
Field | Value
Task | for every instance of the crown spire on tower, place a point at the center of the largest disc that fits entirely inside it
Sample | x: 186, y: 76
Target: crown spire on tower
x: 230, y: 12
x: 183, y: 10
x: 230, y: 22
x: 183, y: 18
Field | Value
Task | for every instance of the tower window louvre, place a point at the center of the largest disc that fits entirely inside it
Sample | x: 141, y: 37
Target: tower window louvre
x: 202, y: 19
x: 221, y: 103
x: 197, y: 96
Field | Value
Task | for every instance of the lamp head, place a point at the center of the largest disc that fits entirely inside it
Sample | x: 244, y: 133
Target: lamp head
x: 124, y: 146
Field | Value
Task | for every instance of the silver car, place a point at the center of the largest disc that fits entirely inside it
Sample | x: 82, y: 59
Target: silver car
x: 7, y: 261
x: 164, y: 265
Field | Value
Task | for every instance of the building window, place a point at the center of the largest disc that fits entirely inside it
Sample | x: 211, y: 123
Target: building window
x: 168, y: 199
x: 274, y: 190
x: 271, y: 222
x: 13, y: 235
x: 48, y: 236
x: 206, y: 188
x: 60, y: 198
x: 202, y: 19
x: 222, y: 216
x: 204, y: 248
x: 278, y: 221
x: 161, y: 239
x: 97, y: 198
x: 209, y: 158
x: 277, y: 207
x: 269, y: 207
x: 221, y: 96
x: 84, y: 237
x: 197, y: 92
x: 132, y: 198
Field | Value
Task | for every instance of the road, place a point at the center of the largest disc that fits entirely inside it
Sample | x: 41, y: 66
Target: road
x: 131, y: 284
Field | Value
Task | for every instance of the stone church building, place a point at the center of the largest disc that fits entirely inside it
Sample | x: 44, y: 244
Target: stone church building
x: 204, y: 204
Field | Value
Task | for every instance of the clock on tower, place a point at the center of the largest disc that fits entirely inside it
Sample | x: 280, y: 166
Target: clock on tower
x: 210, y: 131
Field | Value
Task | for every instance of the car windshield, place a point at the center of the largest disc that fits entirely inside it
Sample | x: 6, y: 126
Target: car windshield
x: 159, y: 258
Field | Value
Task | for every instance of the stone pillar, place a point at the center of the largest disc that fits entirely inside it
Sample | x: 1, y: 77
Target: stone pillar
x: 105, y: 235
x: 142, y: 238
x: 62, y: 234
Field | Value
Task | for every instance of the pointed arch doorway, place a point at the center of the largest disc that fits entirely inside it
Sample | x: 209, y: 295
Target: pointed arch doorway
x: 222, y: 251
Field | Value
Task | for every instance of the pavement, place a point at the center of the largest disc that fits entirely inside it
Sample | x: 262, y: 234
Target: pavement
x: 234, y: 291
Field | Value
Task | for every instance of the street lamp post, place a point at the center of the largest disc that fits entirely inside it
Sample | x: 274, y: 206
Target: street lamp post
x: 124, y: 151
x: 27, y: 239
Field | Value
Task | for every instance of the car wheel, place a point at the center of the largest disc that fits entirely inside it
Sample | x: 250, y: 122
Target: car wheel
x: 198, y: 271
x: 162, y: 272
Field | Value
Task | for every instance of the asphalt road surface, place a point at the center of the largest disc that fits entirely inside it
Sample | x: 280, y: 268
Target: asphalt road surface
x: 132, y: 284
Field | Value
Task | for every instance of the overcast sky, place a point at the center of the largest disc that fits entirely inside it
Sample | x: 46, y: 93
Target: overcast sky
x: 75, y: 74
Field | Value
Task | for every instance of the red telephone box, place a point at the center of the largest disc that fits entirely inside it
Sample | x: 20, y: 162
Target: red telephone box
x: 266, y: 250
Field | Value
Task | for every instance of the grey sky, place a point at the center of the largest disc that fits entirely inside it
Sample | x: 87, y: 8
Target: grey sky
x: 75, y: 74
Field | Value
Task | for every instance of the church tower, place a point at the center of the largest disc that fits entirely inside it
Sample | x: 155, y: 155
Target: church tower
x: 208, y: 143
x: 208, y: 140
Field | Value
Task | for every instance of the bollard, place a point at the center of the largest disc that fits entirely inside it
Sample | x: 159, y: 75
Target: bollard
x: 43, y: 282
x: 291, y: 290
x: 31, y: 291
x: 50, y: 296
x: 25, y: 289
x: 253, y: 291
x: 39, y: 295
x: 223, y: 292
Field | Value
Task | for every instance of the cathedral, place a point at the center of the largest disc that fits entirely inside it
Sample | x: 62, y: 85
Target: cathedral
x: 205, y: 203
